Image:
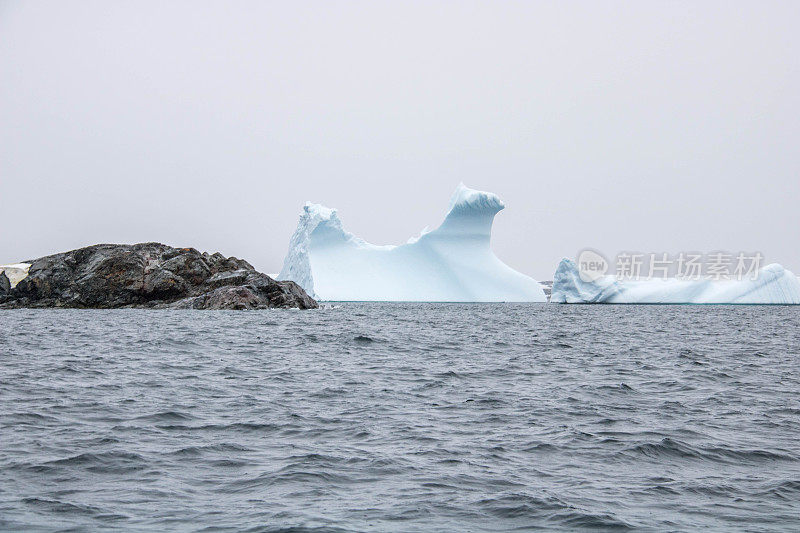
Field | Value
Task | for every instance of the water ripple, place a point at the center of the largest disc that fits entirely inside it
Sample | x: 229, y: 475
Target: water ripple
x: 411, y: 417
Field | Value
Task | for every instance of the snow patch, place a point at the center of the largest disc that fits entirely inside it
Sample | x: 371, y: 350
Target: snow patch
x: 15, y: 272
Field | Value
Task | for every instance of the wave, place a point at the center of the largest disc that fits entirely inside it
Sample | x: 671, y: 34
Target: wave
x: 668, y: 448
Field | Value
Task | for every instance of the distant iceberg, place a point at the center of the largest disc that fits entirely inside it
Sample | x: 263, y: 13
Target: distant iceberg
x: 773, y: 285
x: 453, y: 263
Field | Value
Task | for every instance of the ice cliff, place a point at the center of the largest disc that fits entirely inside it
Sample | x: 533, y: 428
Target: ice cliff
x: 773, y: 285
x: 452, y: 263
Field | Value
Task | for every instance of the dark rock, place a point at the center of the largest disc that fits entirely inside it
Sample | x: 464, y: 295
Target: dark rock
x: 5, y: 284
x: 236, y: 297
x: 163, y: 284
x: 148, y: 275
x: 192, y: 267
x: 235, y: 277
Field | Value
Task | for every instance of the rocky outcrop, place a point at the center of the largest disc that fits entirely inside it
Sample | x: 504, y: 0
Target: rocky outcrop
x: 5, y: 284
x: 150, y: 275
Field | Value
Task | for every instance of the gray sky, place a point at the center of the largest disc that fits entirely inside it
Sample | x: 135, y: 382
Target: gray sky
x: 650, y: 126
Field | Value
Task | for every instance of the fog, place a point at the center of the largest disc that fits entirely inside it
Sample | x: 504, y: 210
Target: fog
x: 650, y: 126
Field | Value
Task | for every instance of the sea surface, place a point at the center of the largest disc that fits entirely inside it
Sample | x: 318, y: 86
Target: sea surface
x: 401, y: 417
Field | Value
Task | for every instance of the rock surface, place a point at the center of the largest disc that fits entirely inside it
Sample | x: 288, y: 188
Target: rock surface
x: 149, y: 275
x: 5, y: 284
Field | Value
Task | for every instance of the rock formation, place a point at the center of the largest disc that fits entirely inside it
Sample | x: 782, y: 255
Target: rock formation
x: 149, y: 275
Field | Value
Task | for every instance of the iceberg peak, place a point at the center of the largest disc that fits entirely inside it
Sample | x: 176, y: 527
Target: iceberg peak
x: 569, y: 287
x: 297, y: 266
x: 317, y: 210
x: 471, y: 213
x: 465, y: 200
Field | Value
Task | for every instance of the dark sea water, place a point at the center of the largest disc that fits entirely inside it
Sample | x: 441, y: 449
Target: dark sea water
x: 402, y: 417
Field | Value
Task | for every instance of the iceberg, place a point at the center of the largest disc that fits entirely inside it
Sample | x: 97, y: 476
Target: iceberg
x: 453, y: 263
x: 773, y: 284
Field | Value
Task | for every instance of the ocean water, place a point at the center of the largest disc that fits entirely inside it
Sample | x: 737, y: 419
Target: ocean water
x: 401, y: 417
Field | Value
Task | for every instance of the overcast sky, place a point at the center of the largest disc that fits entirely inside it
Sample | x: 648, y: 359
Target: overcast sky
x: 649, y: 126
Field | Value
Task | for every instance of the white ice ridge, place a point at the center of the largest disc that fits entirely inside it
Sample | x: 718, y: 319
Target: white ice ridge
x: 772, y: 285
x: 16, y: 272
x: 453, y: 263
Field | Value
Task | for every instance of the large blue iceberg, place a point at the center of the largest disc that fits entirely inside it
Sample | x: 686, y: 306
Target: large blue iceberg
x: 453, y: 263
x: 772, y: 285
